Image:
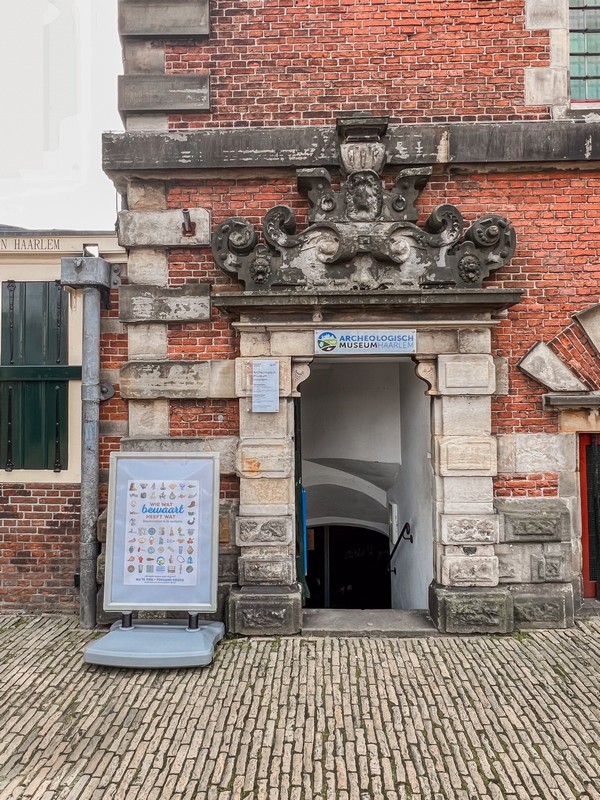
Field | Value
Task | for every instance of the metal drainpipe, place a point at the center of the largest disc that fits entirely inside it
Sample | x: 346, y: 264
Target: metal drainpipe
x: 96, y: 277
x: 90, y: 449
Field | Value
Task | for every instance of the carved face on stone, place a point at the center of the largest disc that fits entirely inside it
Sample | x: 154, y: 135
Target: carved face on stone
x: 364, y: 196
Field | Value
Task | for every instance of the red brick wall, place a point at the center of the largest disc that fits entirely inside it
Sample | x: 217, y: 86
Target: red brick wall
x: 39, y: 547
x: 556, y: 264
x: 291, y: 62
x: 204, y: 417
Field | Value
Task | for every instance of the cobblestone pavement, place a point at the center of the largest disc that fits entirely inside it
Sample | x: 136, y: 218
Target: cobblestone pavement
x: 478, y: 717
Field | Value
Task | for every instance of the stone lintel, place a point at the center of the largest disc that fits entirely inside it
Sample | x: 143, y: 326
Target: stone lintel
x: 579, y: 420
x: 226, y: 446
x: 166, y: 19
x: 143, y: 303
x: 504, y: 144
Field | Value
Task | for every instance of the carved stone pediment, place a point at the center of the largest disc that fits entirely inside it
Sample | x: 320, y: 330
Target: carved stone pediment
x: 363, y: 236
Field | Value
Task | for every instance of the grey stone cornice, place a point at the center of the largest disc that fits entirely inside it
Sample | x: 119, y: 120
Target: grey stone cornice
x: 453, y: 144
x: 422, y: 302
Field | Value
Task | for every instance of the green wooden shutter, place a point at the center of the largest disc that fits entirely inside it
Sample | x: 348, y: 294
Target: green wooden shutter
x: 34, y: 376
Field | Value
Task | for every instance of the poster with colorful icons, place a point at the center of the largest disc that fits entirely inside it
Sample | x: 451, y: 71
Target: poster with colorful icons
x: 162, y: 532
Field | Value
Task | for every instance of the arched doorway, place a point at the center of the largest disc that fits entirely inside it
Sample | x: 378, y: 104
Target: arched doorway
x: 348, y: 567
x: 366, y: 443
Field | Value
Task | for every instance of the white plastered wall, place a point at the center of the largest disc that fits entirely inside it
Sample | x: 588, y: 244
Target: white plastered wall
x: 412, y: 492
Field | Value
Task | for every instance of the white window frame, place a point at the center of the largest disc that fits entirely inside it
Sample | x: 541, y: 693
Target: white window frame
x: 550, y: 85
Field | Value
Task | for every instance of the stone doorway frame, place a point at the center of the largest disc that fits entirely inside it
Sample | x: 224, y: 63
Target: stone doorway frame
x: 454, y: 359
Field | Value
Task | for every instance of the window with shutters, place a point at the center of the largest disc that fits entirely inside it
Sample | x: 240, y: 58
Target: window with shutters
x: 35, y: 374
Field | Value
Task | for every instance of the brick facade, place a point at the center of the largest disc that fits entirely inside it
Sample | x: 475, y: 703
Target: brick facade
x: 473, y: 96
x: 39, y: 547
x: 300, y: 63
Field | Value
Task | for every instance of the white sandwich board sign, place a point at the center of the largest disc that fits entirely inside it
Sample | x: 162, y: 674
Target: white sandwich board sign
x: 162, y: 532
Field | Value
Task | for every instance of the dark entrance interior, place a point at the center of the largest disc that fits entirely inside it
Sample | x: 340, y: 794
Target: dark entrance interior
x: 348, y: 568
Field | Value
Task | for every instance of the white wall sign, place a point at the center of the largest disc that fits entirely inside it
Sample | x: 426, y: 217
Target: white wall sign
x: 348, y: 341
x: 265, y: 385
x: 162, y: 532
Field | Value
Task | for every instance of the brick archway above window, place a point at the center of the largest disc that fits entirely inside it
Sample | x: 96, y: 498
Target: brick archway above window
x: 569, y: 365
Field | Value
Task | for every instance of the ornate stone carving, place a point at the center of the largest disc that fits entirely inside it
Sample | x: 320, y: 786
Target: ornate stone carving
x: 263, y: 571
x: 534, y: 519
x: 264, y: 530
x: 300, y: 372
x: 363, y: 236
x: 469, y: 529
x: 471, y: 610
x: 263, y: 617
x: 426, y: 369
x: 542, y: 606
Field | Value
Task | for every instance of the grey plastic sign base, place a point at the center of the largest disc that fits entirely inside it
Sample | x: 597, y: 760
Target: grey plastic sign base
x: 156, y: 644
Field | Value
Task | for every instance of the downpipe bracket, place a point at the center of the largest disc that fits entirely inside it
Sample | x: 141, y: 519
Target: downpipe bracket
x: 107, y: 390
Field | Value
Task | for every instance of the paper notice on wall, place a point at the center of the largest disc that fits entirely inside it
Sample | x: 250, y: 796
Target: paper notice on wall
x: 265, y: 385
x: 162, y: 533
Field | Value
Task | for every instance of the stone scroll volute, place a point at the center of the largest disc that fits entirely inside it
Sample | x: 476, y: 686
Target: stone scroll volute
x: 363, y: 235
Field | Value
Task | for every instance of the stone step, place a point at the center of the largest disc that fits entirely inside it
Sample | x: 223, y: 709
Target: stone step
x: 367, y: 622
